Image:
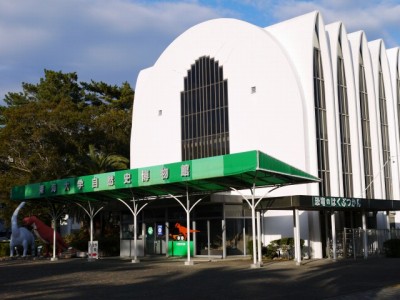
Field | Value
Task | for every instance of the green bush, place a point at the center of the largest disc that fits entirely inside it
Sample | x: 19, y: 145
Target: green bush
x: 4, y: 249
x: 284, y: 245
x: 391, y: 248
x: 250, y: 247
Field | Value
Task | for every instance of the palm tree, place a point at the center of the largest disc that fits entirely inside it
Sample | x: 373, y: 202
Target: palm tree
x: 99, y: 162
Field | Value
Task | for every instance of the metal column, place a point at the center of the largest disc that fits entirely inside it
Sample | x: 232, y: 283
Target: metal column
x: 259, y: 254
x: 333, y: 225
x: 364, y: 226
x: 296, y: 231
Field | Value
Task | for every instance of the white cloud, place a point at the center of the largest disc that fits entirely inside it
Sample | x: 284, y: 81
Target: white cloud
x: 99, y: 39
x: 379, y: 19
x: 111, y: 41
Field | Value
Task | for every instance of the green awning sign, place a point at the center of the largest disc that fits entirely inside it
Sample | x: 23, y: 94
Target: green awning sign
x: 206, y: 175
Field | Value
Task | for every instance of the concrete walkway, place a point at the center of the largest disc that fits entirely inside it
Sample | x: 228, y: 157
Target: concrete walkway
x: 167, y: 278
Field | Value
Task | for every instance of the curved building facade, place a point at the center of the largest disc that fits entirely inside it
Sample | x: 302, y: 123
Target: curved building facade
x: 309, y: 94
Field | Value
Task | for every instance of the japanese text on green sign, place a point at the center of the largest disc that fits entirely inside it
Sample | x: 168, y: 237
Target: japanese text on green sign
x: 335, y: 202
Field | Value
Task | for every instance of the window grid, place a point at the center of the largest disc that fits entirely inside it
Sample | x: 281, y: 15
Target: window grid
x: 321, y: 125
x: 366, y: 133
x: 347, y: 171
x: 204, y: 111
x: 387, y: 169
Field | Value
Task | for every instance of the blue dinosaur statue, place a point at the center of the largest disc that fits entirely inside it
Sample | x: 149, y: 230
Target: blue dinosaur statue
x: 20, y: 235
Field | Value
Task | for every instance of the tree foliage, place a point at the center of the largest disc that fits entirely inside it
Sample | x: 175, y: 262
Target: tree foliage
x: 60, y: 127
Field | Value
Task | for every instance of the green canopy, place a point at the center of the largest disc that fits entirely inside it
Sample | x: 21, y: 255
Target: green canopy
x: 207, y: 175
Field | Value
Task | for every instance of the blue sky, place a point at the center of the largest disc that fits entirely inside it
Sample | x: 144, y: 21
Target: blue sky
x: 112, y: 40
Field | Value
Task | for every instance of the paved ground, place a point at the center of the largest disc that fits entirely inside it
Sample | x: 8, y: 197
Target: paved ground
x: 162, y: 278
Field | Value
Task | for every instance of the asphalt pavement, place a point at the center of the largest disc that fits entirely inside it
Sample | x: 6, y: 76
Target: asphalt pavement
x: 169, y: 278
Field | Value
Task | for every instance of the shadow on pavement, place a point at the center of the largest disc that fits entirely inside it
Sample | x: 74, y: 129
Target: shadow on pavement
x: 171, y: 279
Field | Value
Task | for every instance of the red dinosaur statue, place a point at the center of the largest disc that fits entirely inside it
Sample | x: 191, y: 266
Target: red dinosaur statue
x: 183, y: 230
x: 45, y: 233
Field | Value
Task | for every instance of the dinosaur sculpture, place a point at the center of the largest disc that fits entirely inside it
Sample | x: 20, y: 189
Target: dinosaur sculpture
x: 183, y: 230
x: 45, y: 233
x: 20, y: 235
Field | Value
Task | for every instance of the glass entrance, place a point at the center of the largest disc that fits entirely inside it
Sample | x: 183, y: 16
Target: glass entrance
x: 155, y: 238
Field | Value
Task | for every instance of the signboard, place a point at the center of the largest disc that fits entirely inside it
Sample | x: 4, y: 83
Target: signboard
x: 175, y: 172
x: 160, y: 230
x: 208, y: 172
x: 150, y: 230
x: 179, y: 248
x: 338, y: 202
x: 93, y: 249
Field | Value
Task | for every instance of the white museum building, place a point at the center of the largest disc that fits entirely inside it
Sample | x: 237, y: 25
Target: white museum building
x: 312, y: 95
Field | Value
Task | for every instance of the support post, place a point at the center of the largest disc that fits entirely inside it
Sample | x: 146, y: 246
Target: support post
x: 297, y: 244
x: 166, y: 239
x: 364, y: 227
x: 253, y: 206
x: 333, y: 225
x: 244, y: 238
x: 135, y: 259
x: 208, y: 239
x: 223, y: 227
x: 188, y: 262
x: 259, y: 254
x: 135, y: 210
x: 327, y: 247
x: 194, y: 238
x: 187, y: 209
x: 253, y: 226
x: 53, y: 223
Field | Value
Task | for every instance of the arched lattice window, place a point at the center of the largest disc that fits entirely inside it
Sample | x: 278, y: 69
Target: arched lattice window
x: 387, y: 169
x: 321, y: 122
x: 204, y: 111
x: 344, y: 121
x: 366, y: 132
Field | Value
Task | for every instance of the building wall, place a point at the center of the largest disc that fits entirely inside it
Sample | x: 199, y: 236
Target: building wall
x: 271, y: 104
x: 393, y: 55
x: 250, y: 58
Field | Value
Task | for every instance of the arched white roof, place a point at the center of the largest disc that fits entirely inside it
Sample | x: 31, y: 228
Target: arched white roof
x: 299, y: 37
x: 250, y: 57
x: 393, y: 56
x: 378, y: 55
x: 338, y: 41
x: 360, y: 50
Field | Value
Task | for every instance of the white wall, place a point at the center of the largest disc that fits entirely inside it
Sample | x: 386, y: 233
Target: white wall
x: 393, y: 55
x: 250, y: 58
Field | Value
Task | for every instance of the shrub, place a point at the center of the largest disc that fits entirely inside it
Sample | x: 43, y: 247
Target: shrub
x: 250, y: 247
x: 282, y: 246
x: 4, y: 249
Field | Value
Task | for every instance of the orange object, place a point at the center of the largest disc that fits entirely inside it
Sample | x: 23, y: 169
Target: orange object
x: 183, y: 230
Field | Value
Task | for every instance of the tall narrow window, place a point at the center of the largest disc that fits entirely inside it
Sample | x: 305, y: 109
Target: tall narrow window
x: 347, y: 171
x: 321, y: 125
x: 366, y: 132
x: 204, y: 111
x: 387, y: 169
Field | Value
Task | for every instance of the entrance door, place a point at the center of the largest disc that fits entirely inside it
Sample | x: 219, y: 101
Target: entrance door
x: 155, y: 239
